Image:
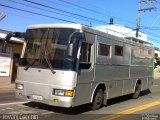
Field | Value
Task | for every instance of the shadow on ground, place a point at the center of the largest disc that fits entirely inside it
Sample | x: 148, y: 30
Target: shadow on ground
x: 80, y: 109
x: 126, y: 97
x: 69, y: 111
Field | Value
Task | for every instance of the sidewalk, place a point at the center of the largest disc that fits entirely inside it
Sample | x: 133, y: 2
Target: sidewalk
x: 157, y: 72
x: 6, y: 86
x: 157, y: 75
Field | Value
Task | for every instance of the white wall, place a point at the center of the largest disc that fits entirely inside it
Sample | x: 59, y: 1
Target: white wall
x: 121, y: 31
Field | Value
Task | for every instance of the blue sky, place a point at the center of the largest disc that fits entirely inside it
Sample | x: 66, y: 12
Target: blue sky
x: 89, y: 12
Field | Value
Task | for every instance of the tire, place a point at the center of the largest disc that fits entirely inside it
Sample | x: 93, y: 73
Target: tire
x: 97, y: 100
x: 137, y: 91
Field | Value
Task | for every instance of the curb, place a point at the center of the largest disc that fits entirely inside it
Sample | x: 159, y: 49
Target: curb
x: 4, y: 88
x: 156, y: 75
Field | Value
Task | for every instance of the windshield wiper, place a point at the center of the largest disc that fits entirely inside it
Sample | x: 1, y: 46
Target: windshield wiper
x: 28, y: 66
x: 45, y: 57
x: 48, y: 61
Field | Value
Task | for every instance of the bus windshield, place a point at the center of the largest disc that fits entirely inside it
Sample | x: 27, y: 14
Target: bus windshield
x: 50, y: 43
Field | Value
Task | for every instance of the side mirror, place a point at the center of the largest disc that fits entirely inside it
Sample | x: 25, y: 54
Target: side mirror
x: 19, y: 34
x: 70, y: 50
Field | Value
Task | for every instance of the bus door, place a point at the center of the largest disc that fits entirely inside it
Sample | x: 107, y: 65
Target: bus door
x: 85, y: 74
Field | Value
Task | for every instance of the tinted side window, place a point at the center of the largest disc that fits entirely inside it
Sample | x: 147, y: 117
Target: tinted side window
x: 86, y: 56
x: 86, y: 53
x: 118, y: 50
x: 104, y: 50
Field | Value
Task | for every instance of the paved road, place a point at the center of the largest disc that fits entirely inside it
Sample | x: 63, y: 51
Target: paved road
x: 8, y: 98
x: 147, y: 107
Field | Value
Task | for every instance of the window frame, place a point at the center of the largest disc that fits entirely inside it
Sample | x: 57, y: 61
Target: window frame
x: 118, y: 50
x: 89, y: 60
x: 104, y: 45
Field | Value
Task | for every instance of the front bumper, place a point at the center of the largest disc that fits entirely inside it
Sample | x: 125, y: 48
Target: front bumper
x: 59, y: 101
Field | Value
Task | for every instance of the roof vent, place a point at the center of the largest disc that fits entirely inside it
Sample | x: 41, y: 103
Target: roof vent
x: 111, y: 21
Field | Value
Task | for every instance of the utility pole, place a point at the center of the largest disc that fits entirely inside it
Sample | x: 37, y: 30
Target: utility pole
x: 140, y: 9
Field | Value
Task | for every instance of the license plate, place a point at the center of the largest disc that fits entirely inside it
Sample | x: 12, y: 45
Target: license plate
x: 37, y: 97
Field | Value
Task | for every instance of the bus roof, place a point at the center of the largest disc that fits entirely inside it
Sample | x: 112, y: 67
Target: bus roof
x: 74, y: 26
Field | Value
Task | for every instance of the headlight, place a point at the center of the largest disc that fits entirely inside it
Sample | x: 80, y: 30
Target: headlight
x: 19, y: 86
x: 60, y: 92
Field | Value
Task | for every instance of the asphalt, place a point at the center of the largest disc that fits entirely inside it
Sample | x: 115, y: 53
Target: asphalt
x: 6, y: 86
x: 8, y: 97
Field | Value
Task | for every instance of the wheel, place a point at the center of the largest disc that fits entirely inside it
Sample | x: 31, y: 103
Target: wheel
x: 97, y: 100
x: 137, y: 91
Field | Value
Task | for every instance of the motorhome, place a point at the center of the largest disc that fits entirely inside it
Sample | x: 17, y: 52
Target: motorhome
x: 68, y: 65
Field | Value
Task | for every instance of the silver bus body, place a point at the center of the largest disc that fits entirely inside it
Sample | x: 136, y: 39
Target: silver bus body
x: 104, y: 61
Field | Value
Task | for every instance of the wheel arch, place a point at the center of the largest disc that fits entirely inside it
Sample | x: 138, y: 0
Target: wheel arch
x: 99, y: 85
x: 139, y: 81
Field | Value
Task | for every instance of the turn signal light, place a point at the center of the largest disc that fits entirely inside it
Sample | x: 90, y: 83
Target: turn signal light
x: 69, y: 93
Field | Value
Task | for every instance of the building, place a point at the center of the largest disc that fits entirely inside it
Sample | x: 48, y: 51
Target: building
x: 8, y: 68
x: 125, y: 32
x: 157, y: 57
x: 15, y: 45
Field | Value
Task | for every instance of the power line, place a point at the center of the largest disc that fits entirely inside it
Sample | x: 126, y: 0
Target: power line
x: 150, y: 28
x: 84, y: 3
x: 49, y: 16
x: 54, y: 3
x: 93, y: 19
x: 6, y: 6
x: 70, y: 3
x: 12, y: 13
x: 144, y: 9
x: 153, y: 40
x: 93, y: 11
x: 47, y: 10
x: 64, y: 11
x: 153, y: 34
x: 98, y: 20
x: 75, y: 8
